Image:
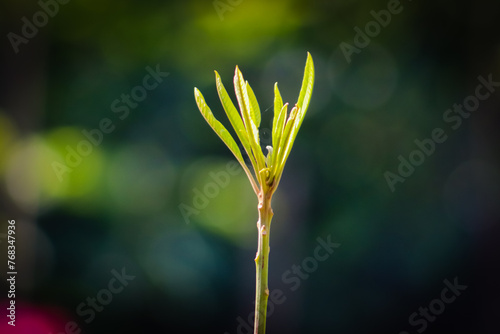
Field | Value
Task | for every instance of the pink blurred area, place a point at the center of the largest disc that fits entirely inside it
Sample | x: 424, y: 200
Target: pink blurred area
x: 33, y: 319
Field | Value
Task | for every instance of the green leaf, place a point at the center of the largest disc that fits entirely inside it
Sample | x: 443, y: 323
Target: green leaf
x: 278, y: 105
x: 284, y: 145
x: 278, y: 130
x: 216, y: 125
x: 254, y: 106
x: 222, y: 132
x: 302, y: 105
x: 240, y: 88
x: 306, y: 89
x: 234, y: 117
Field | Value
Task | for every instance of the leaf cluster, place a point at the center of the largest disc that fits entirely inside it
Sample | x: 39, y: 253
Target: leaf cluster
x: 267, y: 170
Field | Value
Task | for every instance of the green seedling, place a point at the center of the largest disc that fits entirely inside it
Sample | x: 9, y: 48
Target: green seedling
x: 267, y: 169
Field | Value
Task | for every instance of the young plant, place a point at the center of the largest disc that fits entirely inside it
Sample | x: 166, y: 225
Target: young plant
x: 267, y: 170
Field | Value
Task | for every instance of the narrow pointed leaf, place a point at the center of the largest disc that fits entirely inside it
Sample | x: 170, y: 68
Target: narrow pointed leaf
x: 240, y: 89
x: 222, y: 133
x: 278, y: 105
x: 278, y: 130
x: 288, y: 128
x: 244, y: 103
x: 216, y: 125
x: 284, y: 143
x: 254, y: 106
x: 302, y: 104
x: 306, y: 89
x: 234, y: 117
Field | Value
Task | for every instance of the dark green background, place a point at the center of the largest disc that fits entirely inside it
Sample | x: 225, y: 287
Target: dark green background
x: 119, y: 208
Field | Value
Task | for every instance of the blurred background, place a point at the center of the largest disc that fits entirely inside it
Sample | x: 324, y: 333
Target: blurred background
x: 130, y: 217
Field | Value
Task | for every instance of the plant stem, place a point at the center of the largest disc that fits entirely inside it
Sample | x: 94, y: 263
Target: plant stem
x: 262, y: 262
